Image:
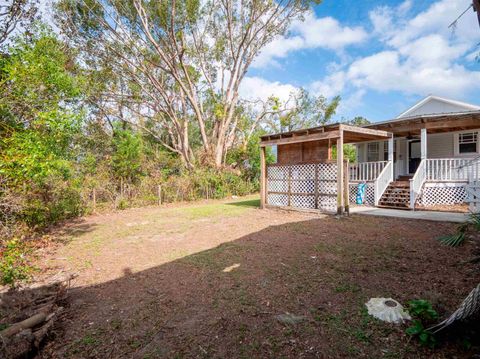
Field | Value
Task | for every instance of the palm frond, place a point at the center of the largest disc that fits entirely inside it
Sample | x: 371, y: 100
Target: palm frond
x: 453, y: 240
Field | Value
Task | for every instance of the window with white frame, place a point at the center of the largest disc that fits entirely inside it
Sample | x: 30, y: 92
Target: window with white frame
x: 372, y: 152
x: 385, y: 150
x: 467, y: 142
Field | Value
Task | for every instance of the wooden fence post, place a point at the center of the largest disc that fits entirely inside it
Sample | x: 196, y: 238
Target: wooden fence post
x: 263, y: 177
x: 159, y: 194
x: 94, y: 198
x: 340, y: 199
x: 346, y: 186
x: 316, y: 185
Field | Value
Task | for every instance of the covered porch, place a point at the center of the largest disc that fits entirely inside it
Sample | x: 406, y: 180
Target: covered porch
x: 437, y: 154
x: 307, y: 174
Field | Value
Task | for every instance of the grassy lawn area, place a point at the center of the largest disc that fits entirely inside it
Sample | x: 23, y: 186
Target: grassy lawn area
x: 209, y: 280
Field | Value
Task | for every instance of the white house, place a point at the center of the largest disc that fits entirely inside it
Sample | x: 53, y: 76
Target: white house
x: 434, y: 154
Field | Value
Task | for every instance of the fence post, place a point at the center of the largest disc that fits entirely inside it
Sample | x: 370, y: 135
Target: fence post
x: 316, y: 185
x: 346, y: 186
x: 94, y: 198
x: 159, y: 194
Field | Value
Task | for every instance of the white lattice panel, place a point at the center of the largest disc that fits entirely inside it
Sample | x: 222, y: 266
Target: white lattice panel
x: 433, y: 194
x: 303, y: 186
x: 277, y: 185
x: 302, y: 201
x: 277, y: 199
x: 369, y: 194
x: 327, y: 187
x: 301, y: 179
x: 327, y: 203
x: 303, y: 172
x: 277, y: 172
x: 327, y: 171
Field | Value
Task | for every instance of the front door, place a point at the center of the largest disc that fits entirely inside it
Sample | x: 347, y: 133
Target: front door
x: 414, y: 156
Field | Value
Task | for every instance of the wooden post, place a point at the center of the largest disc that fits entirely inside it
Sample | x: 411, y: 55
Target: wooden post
x: 159, y: 194
x: 263, y: 177
x: 346, y: 186
x: 94, y: 198
x: 390, y: 157
x: 340, y: 201
x: 329, y: 155
x: 316, y: 186
x: 289, y: 195
x: 423, y: 143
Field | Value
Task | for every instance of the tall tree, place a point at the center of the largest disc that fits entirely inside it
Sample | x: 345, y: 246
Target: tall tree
x: 302, y: 110
x: 180, y: 63
x: 15, y: 14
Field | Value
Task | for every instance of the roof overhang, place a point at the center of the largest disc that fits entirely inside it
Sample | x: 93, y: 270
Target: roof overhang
x: 350, y: 134
x: 448, y: 122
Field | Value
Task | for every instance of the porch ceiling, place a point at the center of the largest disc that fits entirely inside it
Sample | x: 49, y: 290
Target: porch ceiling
x: 433, y: 123
x: 350, y: 134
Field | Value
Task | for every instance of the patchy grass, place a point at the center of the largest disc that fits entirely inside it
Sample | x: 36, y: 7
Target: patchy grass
x: 153, y: 284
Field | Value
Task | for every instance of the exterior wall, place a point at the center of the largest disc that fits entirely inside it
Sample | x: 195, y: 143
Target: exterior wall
x: 440, y: 145
x: 295, y: 153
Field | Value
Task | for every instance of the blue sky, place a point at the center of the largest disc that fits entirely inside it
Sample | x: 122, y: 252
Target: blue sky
x: 381, y: 57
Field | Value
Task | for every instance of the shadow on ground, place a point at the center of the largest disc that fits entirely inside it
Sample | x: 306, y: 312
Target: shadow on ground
x: 224, y: 302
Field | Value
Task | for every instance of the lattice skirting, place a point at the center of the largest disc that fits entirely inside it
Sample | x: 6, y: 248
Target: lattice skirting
x: 442, y: 193
x: 369, y: 193
x: 311, y: 186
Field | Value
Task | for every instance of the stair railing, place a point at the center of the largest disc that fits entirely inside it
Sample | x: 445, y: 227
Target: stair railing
x: 416, y: 183
x: 366, y: 171
x: 382, y: 181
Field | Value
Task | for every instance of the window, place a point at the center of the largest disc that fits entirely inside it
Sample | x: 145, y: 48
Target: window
x: 385, y: 151
x: 372, y: 152
x: 467, y: 142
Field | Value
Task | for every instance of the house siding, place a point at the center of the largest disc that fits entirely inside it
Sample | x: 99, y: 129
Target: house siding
x: 440, y: 145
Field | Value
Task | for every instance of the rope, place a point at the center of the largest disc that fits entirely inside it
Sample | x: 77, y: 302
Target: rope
x: 469, y: 308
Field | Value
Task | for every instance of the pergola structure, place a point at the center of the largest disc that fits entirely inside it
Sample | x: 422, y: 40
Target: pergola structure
x: 312, y: 147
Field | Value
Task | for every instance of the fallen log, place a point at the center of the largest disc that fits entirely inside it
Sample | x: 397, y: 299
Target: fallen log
x: 25, y: 324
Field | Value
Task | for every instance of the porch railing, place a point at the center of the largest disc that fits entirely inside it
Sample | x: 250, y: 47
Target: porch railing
x: 416, y: 183
x: 366, y: 171
x: 452, y: 169
x: 383, y: 180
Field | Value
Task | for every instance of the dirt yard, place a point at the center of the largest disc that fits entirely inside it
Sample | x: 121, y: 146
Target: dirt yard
x: 209, y: 280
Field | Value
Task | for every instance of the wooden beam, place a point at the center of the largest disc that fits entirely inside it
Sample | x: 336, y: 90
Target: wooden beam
x: 305, y: 138
x: 340, y: 199
x: 365, y: 131
x: 443, y: 124
x: 263, y: 178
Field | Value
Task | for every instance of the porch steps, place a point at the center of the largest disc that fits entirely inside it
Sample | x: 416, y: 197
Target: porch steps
x: 397, y: 195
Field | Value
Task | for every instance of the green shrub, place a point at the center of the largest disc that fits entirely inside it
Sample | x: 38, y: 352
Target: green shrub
x: 422, y: 313
x: 14, y: 266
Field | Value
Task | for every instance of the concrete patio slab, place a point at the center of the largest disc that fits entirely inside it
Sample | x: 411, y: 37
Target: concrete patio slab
x: 425, y: 215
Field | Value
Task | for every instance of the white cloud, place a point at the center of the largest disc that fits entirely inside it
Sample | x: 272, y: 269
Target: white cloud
x: 420, y: 55
x: 253, y: 88
x: 331, y: 86
x: 313, y: 32
x: 385, y: 71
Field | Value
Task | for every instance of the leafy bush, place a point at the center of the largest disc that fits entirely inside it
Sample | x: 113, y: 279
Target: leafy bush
x: 14, y: 266
x: 422, y: 313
